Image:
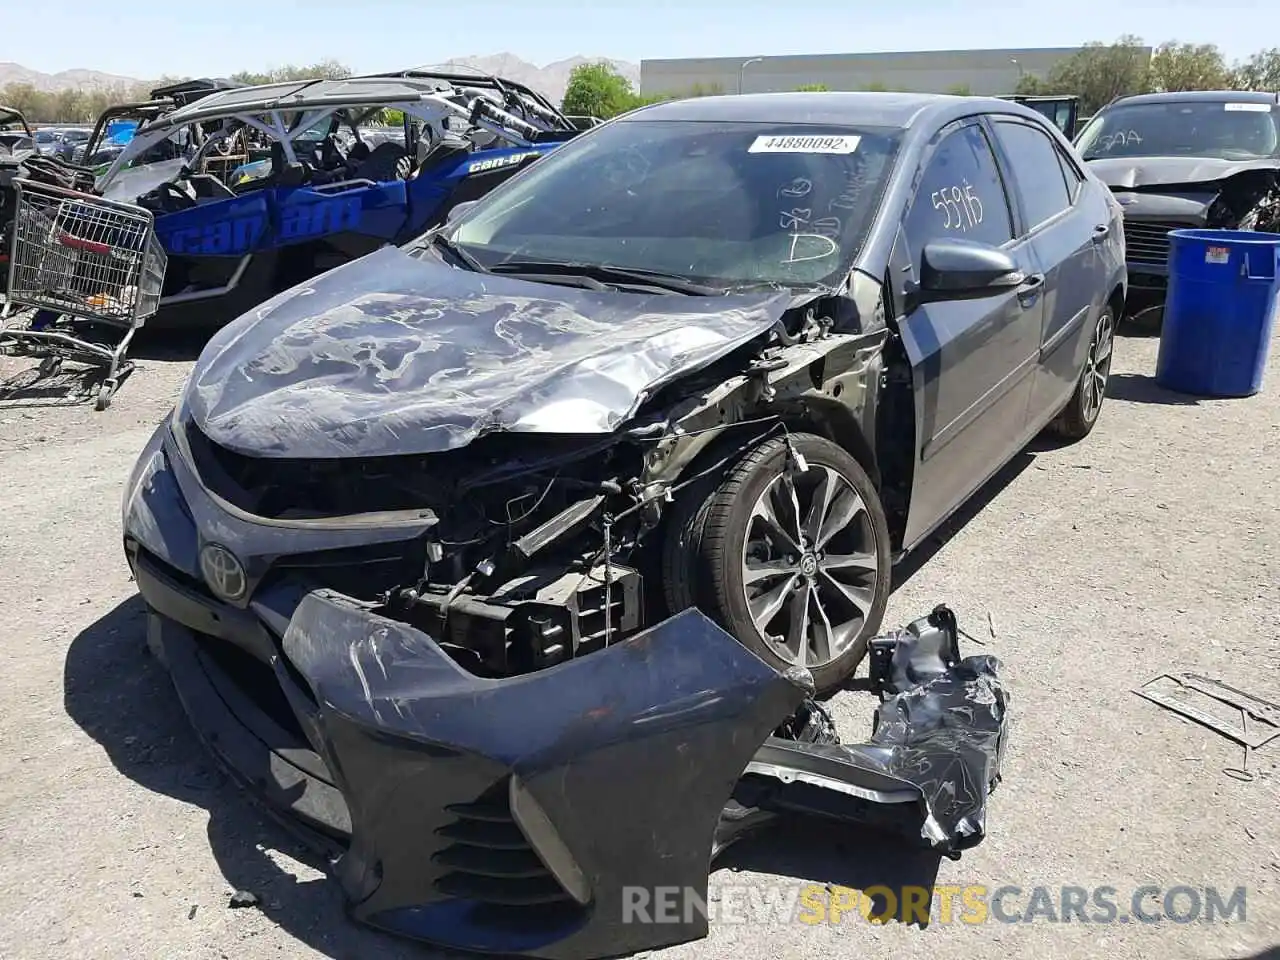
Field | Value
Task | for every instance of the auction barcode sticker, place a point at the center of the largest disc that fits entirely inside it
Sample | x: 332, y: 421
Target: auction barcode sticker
x: 805, y: 143
x: 1217, y: 255
x: 1248, y: 107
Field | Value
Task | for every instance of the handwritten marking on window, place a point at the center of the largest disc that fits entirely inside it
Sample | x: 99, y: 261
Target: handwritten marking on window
x: 799, y: 187
x: 794, y: 219
x: 960, y: 205
x: 820, y: 246
x: 1121, y: 138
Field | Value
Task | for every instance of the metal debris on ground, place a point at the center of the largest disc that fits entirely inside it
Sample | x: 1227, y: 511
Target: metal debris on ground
x: 1252, y: 736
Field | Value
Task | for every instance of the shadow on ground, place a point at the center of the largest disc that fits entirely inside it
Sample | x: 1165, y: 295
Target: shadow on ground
x: 74, y: 383
x: 842, y: 860
x: 1144, y: 322
x: 173, y: 346
x: 1139, y: 388
x: 121, y: 697
x: 69, y: 387
x: 922, y: 554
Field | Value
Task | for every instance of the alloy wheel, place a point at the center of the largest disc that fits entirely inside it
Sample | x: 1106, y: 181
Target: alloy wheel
x: 1097, y: 367
x: 810, y: 566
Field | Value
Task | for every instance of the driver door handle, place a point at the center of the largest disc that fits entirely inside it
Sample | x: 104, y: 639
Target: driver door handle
x: 1030, y: 288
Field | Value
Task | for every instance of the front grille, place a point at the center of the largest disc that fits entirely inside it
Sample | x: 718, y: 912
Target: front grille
x: 1147, y: 241
x: 488, y: 857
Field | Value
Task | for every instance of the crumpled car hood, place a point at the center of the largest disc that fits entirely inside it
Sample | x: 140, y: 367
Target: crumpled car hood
x: 1135, y: 173
x: 391, y: 354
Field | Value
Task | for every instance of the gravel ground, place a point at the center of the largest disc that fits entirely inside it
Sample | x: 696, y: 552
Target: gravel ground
x: 1153, y: 545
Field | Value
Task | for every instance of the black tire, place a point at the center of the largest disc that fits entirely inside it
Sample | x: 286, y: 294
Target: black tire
x: 1078, y: 417
x: 706, y: 533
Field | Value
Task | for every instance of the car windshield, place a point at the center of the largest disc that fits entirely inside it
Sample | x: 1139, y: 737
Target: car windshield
x: 1201, y: 128
x: 714, y: 202
x: 46, y: 136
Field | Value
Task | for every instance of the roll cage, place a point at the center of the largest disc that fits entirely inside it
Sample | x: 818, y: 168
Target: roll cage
x: 12, y: 117
x: 280, y: 112
x: 161, y: 100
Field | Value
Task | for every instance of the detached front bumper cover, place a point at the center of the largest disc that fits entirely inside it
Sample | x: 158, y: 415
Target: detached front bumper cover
x: 510, y: 816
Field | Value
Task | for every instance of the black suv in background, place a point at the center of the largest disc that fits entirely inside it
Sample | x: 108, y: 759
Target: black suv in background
x: 1185, y: 160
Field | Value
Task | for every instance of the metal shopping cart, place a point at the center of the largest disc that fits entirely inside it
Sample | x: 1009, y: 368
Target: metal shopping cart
x: 91, y: 268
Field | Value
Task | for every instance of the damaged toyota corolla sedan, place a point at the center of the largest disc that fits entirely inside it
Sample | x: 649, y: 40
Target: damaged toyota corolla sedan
x: 512, y: 566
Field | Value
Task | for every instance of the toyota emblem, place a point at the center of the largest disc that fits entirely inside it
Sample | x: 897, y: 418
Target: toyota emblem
x: 223, y: 572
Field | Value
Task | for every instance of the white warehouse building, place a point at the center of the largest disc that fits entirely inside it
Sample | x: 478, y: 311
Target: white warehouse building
x: 979, y: 72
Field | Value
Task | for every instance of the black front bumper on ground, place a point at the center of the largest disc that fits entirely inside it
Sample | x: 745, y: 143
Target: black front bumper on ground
x: 512, y: 816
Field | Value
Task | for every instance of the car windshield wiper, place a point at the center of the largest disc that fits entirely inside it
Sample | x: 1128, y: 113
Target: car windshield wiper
x: 458, y: 253
x: 651, y: 278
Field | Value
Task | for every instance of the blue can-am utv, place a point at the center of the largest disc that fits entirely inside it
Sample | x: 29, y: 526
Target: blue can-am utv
x: 256, y: 189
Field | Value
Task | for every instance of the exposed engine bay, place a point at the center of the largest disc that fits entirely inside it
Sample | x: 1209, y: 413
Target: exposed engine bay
x: 1160, y: 194
x: 535, y: 546
x: 1247, y: 201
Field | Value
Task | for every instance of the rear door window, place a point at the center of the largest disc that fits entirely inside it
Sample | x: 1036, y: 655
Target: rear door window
x: 1075, y: 180
x: 1037, y: 171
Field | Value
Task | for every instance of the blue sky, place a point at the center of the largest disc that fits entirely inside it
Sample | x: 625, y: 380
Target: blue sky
x: 147, y: 38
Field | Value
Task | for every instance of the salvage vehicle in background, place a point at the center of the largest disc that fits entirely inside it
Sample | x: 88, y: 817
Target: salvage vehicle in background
x: 430, y: 525
x: 16, y: 135
x: 1203, y: 159
x: 17, y: 141
x: 1062, y: 111
x: 117, y: 124
x: 329, y: 196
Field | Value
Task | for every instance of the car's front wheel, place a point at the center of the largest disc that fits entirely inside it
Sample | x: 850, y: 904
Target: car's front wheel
x: 790, y: 553
x: 1081, y: 412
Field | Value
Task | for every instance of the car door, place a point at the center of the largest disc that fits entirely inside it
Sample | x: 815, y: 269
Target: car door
x: 1065, y: 226
x: 972, y: 359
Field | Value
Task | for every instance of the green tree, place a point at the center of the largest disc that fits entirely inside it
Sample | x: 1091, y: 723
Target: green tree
x: 1029, y: 85
x: 1100, y: 72
x: 1260, y: 72
x: 1188, y: 66
x: 876, y: 86
x: 323, y: 70
x: 812, y: 88
x: 598, y: 90
x: 24, y: 98
x: 960, y: 90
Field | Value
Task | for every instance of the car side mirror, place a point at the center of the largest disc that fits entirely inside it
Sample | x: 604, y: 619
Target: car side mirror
x: 458, y: 210
x: 955, y: 269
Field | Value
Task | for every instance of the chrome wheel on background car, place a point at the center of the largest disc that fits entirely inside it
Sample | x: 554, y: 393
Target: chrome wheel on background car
x: 809, y: 566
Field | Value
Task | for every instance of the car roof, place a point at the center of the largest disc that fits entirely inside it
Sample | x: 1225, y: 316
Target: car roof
x: 1202, y: 96
x: 899, y: 110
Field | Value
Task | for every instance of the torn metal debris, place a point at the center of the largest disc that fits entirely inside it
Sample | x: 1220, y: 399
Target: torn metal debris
x: 1259, y: 719
x: 483, y: 814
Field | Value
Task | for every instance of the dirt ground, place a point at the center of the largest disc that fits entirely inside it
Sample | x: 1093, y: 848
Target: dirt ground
x: 1152, y: 546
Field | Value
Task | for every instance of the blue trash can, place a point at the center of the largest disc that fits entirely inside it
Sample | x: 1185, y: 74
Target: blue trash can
x: 1219, y: 312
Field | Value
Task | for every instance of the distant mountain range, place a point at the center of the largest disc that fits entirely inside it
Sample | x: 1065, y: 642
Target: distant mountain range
x: 550, y: 80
